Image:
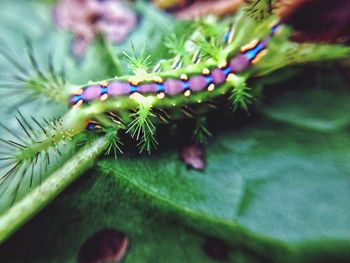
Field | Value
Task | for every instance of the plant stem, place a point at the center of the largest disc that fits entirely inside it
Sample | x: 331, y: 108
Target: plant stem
x: 31, y: 204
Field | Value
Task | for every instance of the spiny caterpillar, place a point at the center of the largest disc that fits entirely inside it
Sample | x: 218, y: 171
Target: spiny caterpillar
x: 214, y: 62
x: 208, y: 79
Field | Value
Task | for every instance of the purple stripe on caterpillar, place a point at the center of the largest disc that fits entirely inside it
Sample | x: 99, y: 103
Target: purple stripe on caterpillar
x: 148, y: 88
x: 173, y: 86
x: 239, y: 63
x: 117, y: 88
x: 218, y: 76
x: 197, y: 83
x: 91, y: 93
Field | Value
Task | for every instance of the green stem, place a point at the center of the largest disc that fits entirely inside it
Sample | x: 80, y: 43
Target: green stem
x: 30, y: 205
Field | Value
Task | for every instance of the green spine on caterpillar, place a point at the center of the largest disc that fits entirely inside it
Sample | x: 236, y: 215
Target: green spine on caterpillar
x: 201, y: 132
x: 142, y: 127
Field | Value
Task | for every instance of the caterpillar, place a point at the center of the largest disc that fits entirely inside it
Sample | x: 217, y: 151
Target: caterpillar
x: 215, y: 61
x: 209, y: 78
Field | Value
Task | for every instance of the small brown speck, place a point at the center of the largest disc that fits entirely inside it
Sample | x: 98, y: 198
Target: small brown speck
x: 106, y: 246
x: 193, y: 156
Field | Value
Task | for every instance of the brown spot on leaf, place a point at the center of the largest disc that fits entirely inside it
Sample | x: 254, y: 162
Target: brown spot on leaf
x: 193, y: 156
x: 106, y: 246
x: 216, y: 248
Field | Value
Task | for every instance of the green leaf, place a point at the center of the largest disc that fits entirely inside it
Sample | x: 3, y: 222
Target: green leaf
x: 320, y: 105
x: 272, y: 179
x: 152, y: 237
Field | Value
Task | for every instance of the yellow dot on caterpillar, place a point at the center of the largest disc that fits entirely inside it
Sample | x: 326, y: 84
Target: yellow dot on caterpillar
x: 133, y: 80
x: 211, y: 87
x: 249, y: 46
x: 104, y: 97
x: 223, y: 64
x: 158, y: 79
x: 231, y: 34
x: 78, y: 92
x: 259, y: 56
x: 206, y: 71
x: 104, y: 83
x: 231, y: 77
x: 161, y: 95
x: 187, y: 93
x: 184, y: 77
x: 78, y: 104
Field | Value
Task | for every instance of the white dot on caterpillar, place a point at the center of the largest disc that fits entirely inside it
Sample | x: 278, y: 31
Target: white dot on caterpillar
x: 160, y: 95
x: 223, y: 64
x: 187, y: 93
x: 231, y: 77
x: 211, y: 87
x: 184, y: 77
x: 206, y: 71
x: 136, y: 96
x: 104, y: 97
